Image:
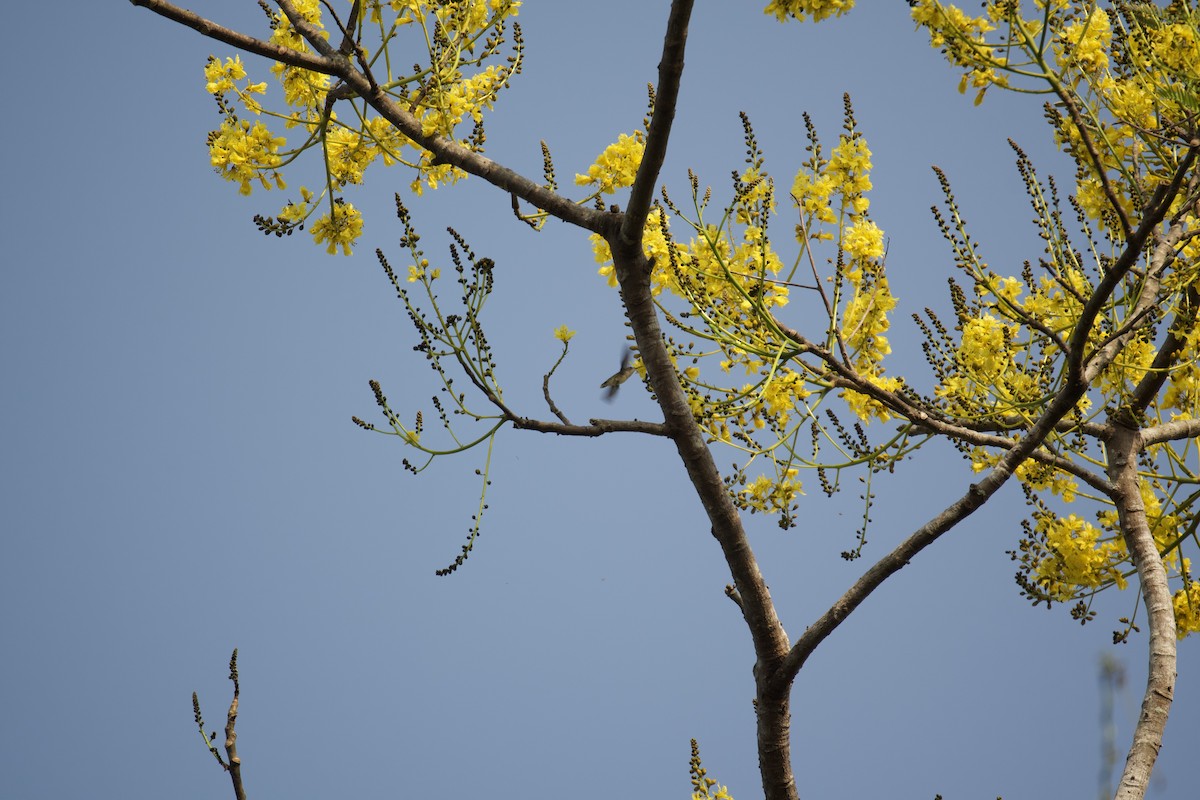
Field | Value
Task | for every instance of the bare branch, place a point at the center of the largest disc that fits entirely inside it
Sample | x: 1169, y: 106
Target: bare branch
x: 597, y: 427
x: 976, y: 495
x: 670, y: 70
x: 241, y: 41
x: 1172, y: 431
x: 234, y: 765
x: 235, y: 761
x: 550, y: 401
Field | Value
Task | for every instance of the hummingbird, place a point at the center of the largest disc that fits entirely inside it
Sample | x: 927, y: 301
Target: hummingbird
x: 614, y: 381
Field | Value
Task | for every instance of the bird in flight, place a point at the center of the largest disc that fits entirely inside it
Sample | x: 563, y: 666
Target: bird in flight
x: 614, y: 381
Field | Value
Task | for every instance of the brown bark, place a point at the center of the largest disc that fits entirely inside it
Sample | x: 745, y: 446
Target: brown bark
x: 633, y: 273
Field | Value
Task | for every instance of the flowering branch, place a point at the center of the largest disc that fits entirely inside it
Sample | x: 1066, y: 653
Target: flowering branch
x: 444, y: 150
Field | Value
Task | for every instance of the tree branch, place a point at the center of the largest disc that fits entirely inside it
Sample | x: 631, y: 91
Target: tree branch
x: 443, y: 149
x: 931, y: 419
x: 1159, y: 206
x: 598, y: 427
x: 1150, y: 384
x: 1074, y: 385
x: 241, y: 41
x: 1123, y: 447
x: 234, y: 765
x: 772, y: 703
x: 1068, y: 101
x: 670, y: 70
x: 1171, y: 431
x: 310, y: 32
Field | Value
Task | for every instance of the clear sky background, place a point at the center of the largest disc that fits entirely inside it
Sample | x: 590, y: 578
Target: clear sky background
x: 181, y: 476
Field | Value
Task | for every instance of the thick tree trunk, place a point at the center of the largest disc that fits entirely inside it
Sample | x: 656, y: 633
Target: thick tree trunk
x: 1123, y: 448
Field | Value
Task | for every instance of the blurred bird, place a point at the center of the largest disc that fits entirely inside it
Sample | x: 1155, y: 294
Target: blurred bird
x: 614, y: 381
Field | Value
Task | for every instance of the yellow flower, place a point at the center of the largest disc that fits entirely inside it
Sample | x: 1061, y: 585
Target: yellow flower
x: 348, y: 154
x: 617, y: 166
x: 563, y: 333
x: 864, y: 406
x: 1078, y: 556
x: 220, y: 77
x: 341, y: 227
x: 812, y: 194
x: 984, y: 351
x: 1085, y: 44
x: 865, y: 321
x: 302, y: 89
x: 1176, y: 45
x: 851, y: 165
x: 240, y: 152
x: 800, y: 9
x: 771, y: 496
x: 285, y: 35
x: 1187, y: 610
x: 863, y: 240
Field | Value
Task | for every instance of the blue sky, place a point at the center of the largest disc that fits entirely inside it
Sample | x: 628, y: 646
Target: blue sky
x: 180, y: 474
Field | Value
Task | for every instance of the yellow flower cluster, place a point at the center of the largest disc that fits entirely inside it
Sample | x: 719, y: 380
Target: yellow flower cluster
x: 1182, y: 395
x: 341, y: 227
x: 802, y: 9
x: 464, y: 18
x: 863, y: 242
x: 1127, y: 88
x: 241, y: 152
x: 296, y: 213
x: 1074, y: 557
x: 771, y: 495
x: 347, y: 154
x: 732, y: 282
x: 222, y: 78
x: 1176, y: 46
x: 1187, y: 610
x: 1084, y: 44
x: 998, y: 369
x: 285, y: 35
x: 845, y: 175
x: 865, y: 319
x: 1078, y: 557
x: 453, y: 87
x: 1129, y: 367
x: 963, y: 39
x: 782, y: 393
x: 985, y: 351
x: 617, y: 166
x: 656, y: 246
x: 304, y: 91
x: 447, y: 107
